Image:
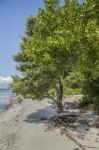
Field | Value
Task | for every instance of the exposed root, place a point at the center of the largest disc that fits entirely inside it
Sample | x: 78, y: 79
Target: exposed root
x: 67, y: 121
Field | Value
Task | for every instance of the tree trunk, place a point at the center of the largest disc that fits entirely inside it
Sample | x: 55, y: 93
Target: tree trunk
x: 60, y: 96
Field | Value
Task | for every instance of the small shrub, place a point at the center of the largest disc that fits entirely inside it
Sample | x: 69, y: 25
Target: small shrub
x: 77, y: 91
x: 85, y: 101
x: 96, y: 103
x: 91, y: 106
x: 52, y: 92
x: 70, y: 91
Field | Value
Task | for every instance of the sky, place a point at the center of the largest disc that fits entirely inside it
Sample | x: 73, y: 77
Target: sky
x: 13, y: 14
x: 4, y: 82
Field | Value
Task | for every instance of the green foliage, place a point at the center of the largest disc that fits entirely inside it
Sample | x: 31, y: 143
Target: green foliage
x: 30, y: 25
x: 74, y: 79
x: 85, y: 101
x: 93, y: 103
x: 96, y: 103
x: 52, y: 92
x: 48, y: 49
x: 55, y: 41
x: 73, y: 83
x: 91, y: 90
x: 70, y: 91
x: 89, y: 52
x: 77, y: 91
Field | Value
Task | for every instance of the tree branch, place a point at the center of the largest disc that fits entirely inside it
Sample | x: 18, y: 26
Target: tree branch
x: 54, y: 85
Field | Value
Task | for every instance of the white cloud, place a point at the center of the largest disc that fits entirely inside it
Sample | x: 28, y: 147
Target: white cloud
x: 4, y: 82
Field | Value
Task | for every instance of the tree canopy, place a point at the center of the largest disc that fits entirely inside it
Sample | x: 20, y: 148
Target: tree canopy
x: 58, y: 39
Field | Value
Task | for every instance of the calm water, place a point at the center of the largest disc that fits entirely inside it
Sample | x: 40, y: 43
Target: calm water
x: 5, y: 95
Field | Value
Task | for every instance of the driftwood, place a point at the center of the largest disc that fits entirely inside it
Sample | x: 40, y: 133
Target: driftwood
x: 79, y: 118
x: 70, y: 136
x: 69, y: 114
x: 73, y: 139
x: 65, y: 131
x: 91, y: 147
x: 66, y: 119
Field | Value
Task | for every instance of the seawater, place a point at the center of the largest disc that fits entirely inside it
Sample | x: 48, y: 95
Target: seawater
x: 5, y: 95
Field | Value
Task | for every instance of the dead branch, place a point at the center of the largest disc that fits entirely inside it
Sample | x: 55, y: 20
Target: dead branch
x: 67, y: 120
x: 50, y: 97
x: 91, y: 147
x: 70, y: 136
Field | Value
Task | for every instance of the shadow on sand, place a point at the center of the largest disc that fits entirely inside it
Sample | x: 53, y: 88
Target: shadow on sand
x: 36, y: 117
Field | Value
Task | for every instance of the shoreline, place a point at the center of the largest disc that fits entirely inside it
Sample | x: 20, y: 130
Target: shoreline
x: 5, y: 101
x: 21, y: 128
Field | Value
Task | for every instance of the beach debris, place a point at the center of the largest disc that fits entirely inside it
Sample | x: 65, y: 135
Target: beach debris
x: 71, y: 121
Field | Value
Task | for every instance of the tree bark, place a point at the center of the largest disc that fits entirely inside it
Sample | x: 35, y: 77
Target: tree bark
x: 60, y: 96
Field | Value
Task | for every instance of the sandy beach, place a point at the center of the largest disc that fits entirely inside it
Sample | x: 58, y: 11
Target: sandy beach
x: 21, y: 128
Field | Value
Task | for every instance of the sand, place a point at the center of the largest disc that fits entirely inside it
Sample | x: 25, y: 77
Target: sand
x: 21, y: 128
